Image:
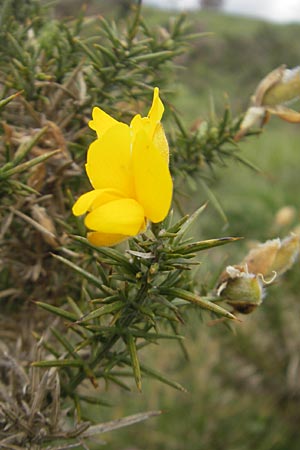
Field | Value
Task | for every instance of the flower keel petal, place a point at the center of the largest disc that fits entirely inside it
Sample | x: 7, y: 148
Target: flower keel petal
x: 83, y: 203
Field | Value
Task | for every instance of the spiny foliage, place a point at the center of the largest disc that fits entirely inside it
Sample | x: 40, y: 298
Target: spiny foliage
x: 112, y: 302
x: 61, y: 70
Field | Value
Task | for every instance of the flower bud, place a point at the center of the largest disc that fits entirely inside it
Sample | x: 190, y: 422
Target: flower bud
x: 240, y: 289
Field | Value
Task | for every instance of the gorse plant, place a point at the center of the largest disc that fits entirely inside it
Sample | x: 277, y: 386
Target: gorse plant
x: 90, y: 308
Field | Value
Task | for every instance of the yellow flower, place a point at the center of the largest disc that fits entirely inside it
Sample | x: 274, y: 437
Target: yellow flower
x: 128, y: 167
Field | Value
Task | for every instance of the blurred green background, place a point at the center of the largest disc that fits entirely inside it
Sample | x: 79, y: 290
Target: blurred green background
x: 243, y: 383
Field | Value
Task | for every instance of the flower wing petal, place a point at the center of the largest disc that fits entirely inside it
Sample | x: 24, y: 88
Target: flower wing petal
x: 83, y: 203
x: 109, y: 161
x: 124, y: 216
x: 93, y: 199
x: 153, y: 182
x: 101, y: 121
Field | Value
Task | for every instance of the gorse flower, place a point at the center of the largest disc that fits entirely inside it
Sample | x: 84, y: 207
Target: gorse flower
x: 128, y: 167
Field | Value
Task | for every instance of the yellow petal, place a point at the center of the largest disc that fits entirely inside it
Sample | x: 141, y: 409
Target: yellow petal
x: 160, y: 142
x: 139, y: 123
x: 105, y: 239
x: 123, y: 216
x: 149, y: 124
x: 93, y: 199
x: 154, y: 131
x: 83, y: 203
x: 157, y: 108
x: 153, y: 182
x: 106, y: 196
x: 109, y: 161
x: 101, y: 121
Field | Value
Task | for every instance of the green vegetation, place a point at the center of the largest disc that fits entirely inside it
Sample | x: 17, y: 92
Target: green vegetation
x: 96, y: 313
x: 243, y: 386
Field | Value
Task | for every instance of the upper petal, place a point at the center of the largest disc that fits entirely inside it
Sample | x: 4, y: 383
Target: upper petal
x: 109, y: 161
x: 153, y: 182
x: 149, y: 124
x: 157, y: 108
x: 123, y: 216
x: 101, y: 121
